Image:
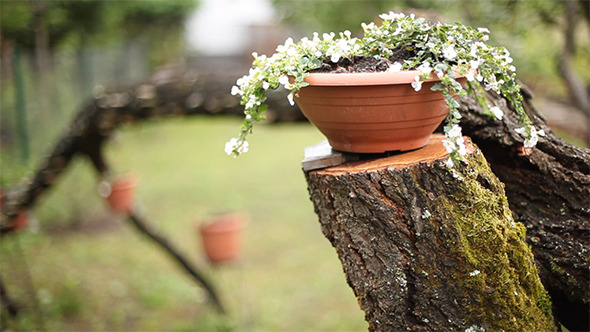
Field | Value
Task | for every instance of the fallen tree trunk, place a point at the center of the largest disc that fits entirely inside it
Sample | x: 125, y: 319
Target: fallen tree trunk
x: 172, y: 92
x: 429, y: 248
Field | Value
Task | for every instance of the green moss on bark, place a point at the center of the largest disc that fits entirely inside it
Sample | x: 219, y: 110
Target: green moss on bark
x: 503, y: 290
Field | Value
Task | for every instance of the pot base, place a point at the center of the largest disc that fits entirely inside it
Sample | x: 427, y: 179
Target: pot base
x: 399, y: 145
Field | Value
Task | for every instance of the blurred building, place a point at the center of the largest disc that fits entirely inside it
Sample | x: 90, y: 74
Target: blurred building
x: 233, y: 27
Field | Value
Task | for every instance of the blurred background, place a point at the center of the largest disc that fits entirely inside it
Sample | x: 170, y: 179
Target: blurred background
x: 77, y: 266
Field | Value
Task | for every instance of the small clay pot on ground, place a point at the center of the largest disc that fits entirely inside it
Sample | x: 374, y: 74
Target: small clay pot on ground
x: 221, y: 237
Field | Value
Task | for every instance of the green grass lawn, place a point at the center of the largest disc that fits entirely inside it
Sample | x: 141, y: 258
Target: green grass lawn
x: 100, y: 274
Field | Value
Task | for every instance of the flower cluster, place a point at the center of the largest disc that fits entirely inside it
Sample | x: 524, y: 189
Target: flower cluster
x: 448, y: 51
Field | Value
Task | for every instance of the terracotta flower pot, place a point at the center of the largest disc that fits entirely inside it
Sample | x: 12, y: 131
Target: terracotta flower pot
x: 372, y: 112
x: 221, y: 237
x: 121, y: 198
x: 21, y: 220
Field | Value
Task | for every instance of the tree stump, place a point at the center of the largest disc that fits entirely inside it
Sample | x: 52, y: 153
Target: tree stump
x: 427, y: 247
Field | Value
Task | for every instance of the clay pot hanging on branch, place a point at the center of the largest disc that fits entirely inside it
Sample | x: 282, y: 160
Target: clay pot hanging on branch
x: 119, y: 193
x: 22, y: 218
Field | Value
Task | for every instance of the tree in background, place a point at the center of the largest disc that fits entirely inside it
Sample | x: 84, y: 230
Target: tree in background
x: 47, y: 26
x: 55, y: 24
x: 38, y: 36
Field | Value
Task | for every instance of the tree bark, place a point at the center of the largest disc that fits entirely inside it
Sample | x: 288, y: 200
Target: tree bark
x: 426, y: 247
x: 548, y: 189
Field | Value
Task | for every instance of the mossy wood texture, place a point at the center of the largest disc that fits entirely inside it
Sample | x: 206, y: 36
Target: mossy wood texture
x: 548, y: 189
x: 430, y: 248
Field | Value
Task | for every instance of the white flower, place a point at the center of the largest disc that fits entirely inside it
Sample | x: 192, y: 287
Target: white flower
x: 284, y: 80
x: 481, y: 45
x: 242, y: 80
x: 455, y: 142
x: 483, y: 30
x: 395, y: 67
x: 533, y: 135
x: 285, y: 47
x: 474, y: 64
x: 449, y: 52
x: 290, y: 99
x: 328, y: 36
x: 425, y: 68
x: 243, y: 148
x: 391, y: 16
x: 449, y: 162
x: 462, y: 148
x: 497, y: 112
x: 475, y: 328
x: 474, y: 273
x: 532, y: 140
x: 235, y: 90
x: 316, y: 37
x: 449, y: 146
x: 491, y: 86
x: 455, y: 131
x: 253, y: 72
x: 265, y: 85
x: 252, y: 101
x: 367, y: 27
x: 470, y: 76
x: 508, y: 59
x: 234, y: 144
x: 417, y: 84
